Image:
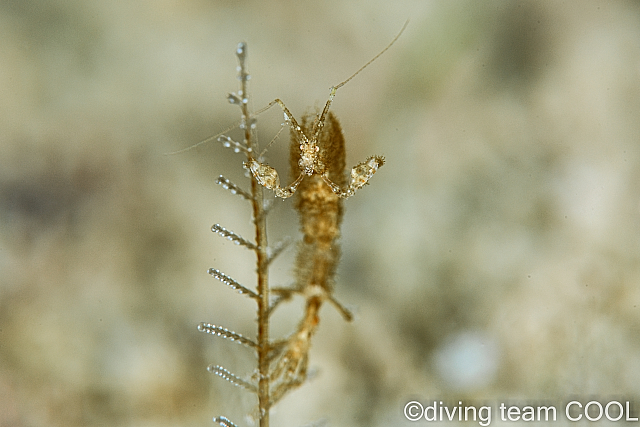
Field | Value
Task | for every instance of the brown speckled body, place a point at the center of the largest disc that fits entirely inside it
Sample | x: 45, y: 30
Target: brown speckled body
x: 320, y: 209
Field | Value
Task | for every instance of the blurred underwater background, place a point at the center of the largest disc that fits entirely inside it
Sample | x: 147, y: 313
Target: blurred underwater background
x: 495, y: 256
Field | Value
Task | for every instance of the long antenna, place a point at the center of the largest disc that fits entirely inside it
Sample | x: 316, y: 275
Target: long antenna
x: 332, y: 92
x: 338, y: 86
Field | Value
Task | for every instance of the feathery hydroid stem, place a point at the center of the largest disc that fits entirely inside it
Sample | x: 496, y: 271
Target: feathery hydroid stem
x: 260, y: 223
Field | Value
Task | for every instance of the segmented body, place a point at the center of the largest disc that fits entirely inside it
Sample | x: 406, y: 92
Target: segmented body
x: 320, y: 210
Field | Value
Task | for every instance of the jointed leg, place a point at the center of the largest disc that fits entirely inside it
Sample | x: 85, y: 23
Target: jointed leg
x: 288, y: 118
x: 360, y: 175
x: 268, y: 177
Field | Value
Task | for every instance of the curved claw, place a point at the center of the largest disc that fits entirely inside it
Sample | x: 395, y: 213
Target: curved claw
x: 268, y: 178
x: 264, y: 174
x: 360, y: 176
x: 362, y: 173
